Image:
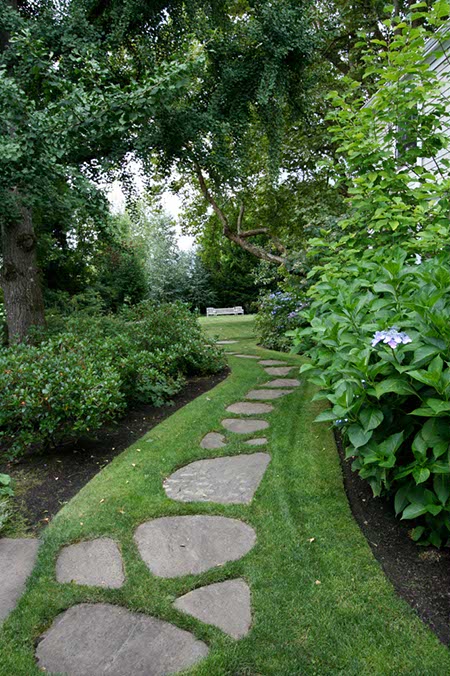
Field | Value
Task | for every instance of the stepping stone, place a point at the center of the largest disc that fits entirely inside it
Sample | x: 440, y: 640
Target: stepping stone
x: 213, y: 440
x: 272, y: 362
x: 244, y: 426
x: 187, y: 545
x: 17, y: 558
x: 266, y: 394
x: 260, y: 441
x: 98, y: 638
x: 231, y: 480
x: 283, y: 382
x: 278, y: 370
x: 225, y: 342
x: 245, y: 408
x: 247, y: 356
x: 225, y: 605
x: 97, y: 563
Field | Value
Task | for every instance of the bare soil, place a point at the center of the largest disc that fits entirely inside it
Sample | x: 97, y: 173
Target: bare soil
x: 421, y: 575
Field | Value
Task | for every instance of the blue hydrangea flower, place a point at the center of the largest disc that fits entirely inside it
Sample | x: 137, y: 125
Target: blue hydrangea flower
x: 291, y: 315
x: 391, y: 337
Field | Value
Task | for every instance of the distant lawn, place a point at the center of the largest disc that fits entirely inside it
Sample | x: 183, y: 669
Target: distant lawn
x: 321, y: 604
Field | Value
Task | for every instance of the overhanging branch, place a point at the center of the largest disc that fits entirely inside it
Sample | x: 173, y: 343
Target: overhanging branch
x: 238, y: 237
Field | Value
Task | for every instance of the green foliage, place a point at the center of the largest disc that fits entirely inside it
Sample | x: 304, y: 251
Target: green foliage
x: 73, y: 382
x: 6, y: 492
x: 391, y: 149
x: 278, y: 313
x: 392, y: 404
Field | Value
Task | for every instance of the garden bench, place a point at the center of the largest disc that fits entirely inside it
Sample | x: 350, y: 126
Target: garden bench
x: 215, y: 311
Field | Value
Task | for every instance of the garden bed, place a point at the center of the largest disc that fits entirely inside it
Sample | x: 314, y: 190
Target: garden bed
x: 420, y: 575
x: 47, y: 480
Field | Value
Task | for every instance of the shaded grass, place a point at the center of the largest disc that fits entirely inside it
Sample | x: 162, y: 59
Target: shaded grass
x: 351, y: 623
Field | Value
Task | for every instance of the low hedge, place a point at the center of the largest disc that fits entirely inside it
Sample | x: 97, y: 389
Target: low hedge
x: 73, y: 381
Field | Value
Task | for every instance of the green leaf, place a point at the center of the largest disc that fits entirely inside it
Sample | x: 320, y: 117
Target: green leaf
x: 325, y: 416
x: 401, y: 499
x: 417, y: 532
x: 396, y: 385
x: 371, y: 418
x: 420, y: 474
x: 413, y: 511
x: 441, y: 485
x: 358, y: 437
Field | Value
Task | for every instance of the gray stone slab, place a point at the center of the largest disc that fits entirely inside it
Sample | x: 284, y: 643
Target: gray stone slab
x: 97, y: 563
x: 187, y: 545
x: 91, y: 639
x: 17, y: 559
x: 282, y: 382
x: 226, y: 342
x: 230, y: 480
x: 260, y: 441
x: 272, y: 362
x: 239, y: 426
x: 262, y: 395
x: 247, y: 356
x: 213, y: 440
x: 247, y: 408
x: 278, y: 370
x: 225, y: 605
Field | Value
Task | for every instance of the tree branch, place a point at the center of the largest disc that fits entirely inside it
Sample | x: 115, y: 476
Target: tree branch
x: 236, y: 237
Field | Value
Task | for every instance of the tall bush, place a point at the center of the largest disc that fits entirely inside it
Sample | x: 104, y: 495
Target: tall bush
x: 381, y: 354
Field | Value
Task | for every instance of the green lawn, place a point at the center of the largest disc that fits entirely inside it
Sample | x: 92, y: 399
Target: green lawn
x: 351, y: 623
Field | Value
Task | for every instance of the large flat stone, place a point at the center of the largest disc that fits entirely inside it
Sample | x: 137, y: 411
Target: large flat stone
x: 225, y: 605
x: 213, y: 440
x: 225, y: 342
x: 239, y: 426
x: 266, y: 394
x: 98, y: 638
x: 272, y: 362
x: 278, y: 370
x: 187, y: 545
x: 246, y: 408
x: 17, y: 559
x: 247, y: 356
x: 259, y: 441
x: 97, y: 563
x: 231, y: 480
x: 283, y: 382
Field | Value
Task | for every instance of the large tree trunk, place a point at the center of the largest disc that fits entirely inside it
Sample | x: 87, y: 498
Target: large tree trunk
x: 19, y: 277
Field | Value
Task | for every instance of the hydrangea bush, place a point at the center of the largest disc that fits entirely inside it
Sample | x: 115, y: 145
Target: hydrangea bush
x: 378, y: 339
x: 278, y: 312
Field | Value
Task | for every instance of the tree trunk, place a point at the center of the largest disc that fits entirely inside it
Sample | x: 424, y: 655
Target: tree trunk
x: 19, y: 277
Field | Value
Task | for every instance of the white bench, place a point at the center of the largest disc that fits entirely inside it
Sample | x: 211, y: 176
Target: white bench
x: 215, y: 311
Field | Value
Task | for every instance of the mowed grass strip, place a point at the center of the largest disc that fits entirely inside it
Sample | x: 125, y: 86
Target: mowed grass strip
x: 321, y: 603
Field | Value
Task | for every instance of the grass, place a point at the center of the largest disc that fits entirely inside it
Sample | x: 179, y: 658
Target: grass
x: 351, y: 623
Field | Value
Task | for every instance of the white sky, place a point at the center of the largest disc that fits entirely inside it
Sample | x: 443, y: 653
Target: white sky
x: 170, y: 202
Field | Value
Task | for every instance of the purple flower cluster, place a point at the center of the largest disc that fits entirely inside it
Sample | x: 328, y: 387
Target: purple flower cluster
x: 391, y: 337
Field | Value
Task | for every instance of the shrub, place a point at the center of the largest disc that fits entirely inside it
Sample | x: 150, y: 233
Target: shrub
x: 62, y: 385
x: 381, y: 353
x: 76, y: 381
x: 278, y: 312
x: 6, y: 492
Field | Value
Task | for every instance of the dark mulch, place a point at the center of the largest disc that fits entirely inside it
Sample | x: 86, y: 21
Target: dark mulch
x: 46, y: 481
x: 420, y: 575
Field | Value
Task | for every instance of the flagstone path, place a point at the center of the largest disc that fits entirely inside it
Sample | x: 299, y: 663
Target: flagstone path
x: 93, y: 562
x: 17, y: 559
x: 92, y: 638
x: 232, y: 479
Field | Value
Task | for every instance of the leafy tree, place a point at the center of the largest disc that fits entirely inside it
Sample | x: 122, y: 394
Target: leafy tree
x: 71, y: 101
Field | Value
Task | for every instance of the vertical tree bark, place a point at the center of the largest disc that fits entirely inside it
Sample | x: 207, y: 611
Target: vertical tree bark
x: 19, y: 273
x: 19, y: 277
